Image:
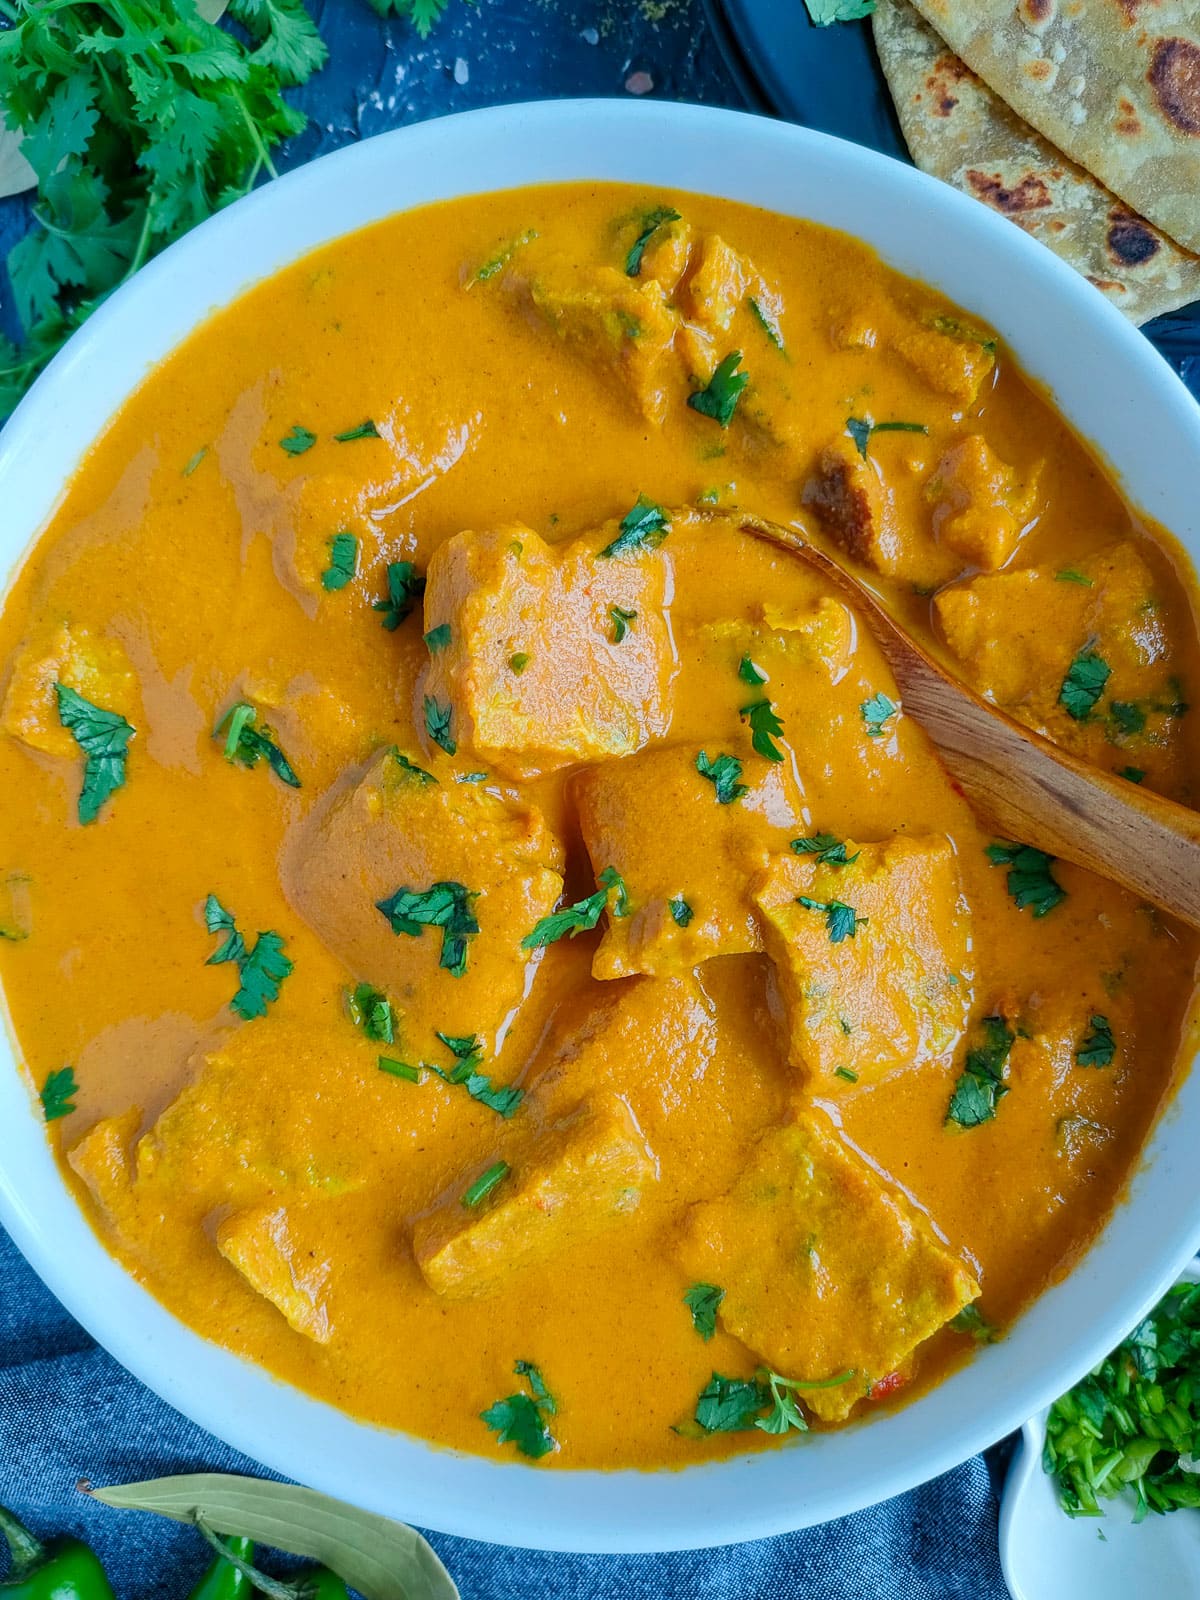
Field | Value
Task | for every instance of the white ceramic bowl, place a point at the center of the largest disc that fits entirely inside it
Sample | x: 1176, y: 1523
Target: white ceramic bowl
x: 1103, y: 376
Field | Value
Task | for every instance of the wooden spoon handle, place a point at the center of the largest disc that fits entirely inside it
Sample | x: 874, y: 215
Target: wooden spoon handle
x: 1019, y: 782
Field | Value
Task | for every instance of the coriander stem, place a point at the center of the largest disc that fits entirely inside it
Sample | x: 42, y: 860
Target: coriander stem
x: 264, y: 155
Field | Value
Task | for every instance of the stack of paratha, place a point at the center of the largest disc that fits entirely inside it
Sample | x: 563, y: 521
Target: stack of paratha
x: 1048, y: 110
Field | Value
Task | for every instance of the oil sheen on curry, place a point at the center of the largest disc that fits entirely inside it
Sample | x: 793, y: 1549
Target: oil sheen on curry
x: 490, y: 944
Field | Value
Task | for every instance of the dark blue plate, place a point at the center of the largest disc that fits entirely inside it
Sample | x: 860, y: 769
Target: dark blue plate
x: 828, y: 78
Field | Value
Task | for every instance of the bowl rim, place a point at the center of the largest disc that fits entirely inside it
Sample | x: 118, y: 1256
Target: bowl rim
x: 1140, y: 418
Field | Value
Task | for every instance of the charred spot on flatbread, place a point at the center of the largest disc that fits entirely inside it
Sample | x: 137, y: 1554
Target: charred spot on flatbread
x: 1037, y: 13
x: 1129, y: 240
x: 1175, y: 78
x: 947, y: 72
x: 1031, y: 194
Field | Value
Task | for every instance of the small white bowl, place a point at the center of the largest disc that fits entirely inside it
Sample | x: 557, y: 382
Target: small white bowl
x: 1103, y: 376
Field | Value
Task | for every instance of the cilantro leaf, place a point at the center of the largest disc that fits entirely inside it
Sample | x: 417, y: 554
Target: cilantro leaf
x: 652, y: 221
x: 860, y: 430
x: 823, y: 12
x: 681, y: 911
x: 644, y: 527
x: 343, y: 562
x: 1073, y: 575
x: 467, y: 1053
x: 622, y: 620
x: 828, y: 851
x: 729, y: 1405
x: 520, y: 1419
x: 371, y: 1013
x: 364, y: 430
x: 438, y: 638
x: 261, y: 969
x: 1098, y: 1047
x: 841, y: 920
x: 719, y: 397
x: 247, y: 745
x: 751, y: 674
x: 1030, y: 881
x: 58, y: 1094
x: 1084, y: 684
x: 1132, y: 774
x: 703, y: 1300
x: 437, y: 724
x: 876, y: 712
x: 297, y: 440
x: 723, y: 773
x: 981, y: 1084
x: 104, y: 737
x: 971, y: 1320
x: 504, y: 255
x: 765, y: 728
x: 405, y: 587
x: 767, y: 322
x: 408, y: 771
x: 582, y: 916
x: 445, y: 905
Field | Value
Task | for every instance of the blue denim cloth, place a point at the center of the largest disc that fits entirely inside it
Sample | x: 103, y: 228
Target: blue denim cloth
x: 68, y: 1411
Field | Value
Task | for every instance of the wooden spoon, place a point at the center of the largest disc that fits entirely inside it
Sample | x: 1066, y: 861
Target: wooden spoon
x: 1021, y: 784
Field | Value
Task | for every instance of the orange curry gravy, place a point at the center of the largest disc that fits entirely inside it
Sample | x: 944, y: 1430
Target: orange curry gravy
x: 775, y: 1122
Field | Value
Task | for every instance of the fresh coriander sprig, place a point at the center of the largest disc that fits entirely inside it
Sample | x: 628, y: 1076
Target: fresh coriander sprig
x: 261, y: 969
x: 247, y: 744
x: 104, y: 737
x: 521, y: 1418
x: 583, y: 915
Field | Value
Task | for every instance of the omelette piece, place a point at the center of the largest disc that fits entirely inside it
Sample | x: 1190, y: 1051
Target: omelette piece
x: 873, y: 956
x: 552, y: 655
x: 829, y: 1271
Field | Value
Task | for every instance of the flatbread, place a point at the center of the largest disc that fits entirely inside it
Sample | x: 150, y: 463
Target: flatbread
x: 960, y: 131
x: 1114, y: 84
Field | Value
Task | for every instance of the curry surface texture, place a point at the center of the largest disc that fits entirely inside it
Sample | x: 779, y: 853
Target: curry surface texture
x: 853, y: 1085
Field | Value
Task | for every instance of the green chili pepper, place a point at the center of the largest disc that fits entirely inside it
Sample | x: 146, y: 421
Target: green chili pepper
x: 221, y: 1579
x: 63, y: 1569
x: 312, y: 1583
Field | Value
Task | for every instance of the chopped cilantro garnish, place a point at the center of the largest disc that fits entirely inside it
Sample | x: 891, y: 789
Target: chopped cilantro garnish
x: 503, y: 256
x: 846, y: 1073
x: 875, y: 713
x: 371, y: 1012
x: 409, y: 770
x: 581, y: 916
x: 521, y: 1418
x: 248, y: 745
x: 444, y: 905
x: 765, y: 728
x: 981, y: 1084
x: 703, y: 1300
x: 723, y: 773
x: 364, y: 430
x: 730, y: 1405
x: 749, y: 673
x: 823, y: 12
x: 405, y: 587
x: 681, y: 911
x: 622, y: 620
x: 343, y: 562
x: 643, y: 527
x: 1134, y: 1422
x: 1098, y: 1047
x: 468, y: 1054
x: 971, y: 1320
x: 195, y: 461
x: 766, y: 322
x: 652, y: 221
x: 437, y: 724
x: 485, y: 1183
x: 1132, y: 774
x: 860, y: 430
x: 58, y: 1094
x: 1084, y: 684
x: 517, y: 663
x: 719, y: 397
x: 261, y: 970
x: 1073, y: 575
x: 298, y: 440
x: 841, y: 920
x: 437, y: 638
x: 104, y: 737
x: 1030, y: 881
x: 399, y: 1069
x: 829, y: 852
